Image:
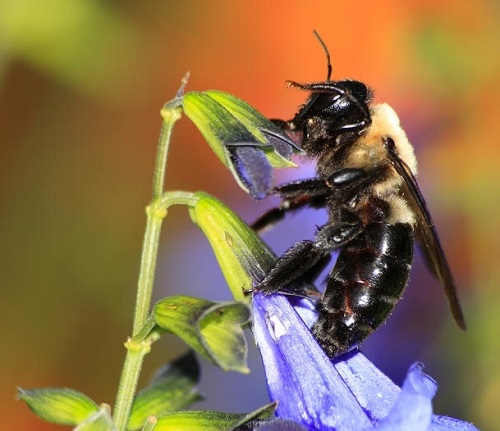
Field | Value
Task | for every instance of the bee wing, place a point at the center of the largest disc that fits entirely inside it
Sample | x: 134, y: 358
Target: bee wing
x: 427, y: 236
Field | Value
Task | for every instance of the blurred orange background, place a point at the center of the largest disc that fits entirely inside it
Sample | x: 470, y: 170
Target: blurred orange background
x: 81, y: 86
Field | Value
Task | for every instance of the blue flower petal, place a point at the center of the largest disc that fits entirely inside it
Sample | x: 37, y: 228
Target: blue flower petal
x: 305, y: 308
x: 349, y: 393
x: 253, y: 169
x: 444, y: 423
x: 413, y: 408
x: 299, y: 375
x: 374, y: 391
x: 279, y: 425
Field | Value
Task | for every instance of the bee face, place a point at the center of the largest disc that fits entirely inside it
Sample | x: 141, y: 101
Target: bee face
x: 336, y: 113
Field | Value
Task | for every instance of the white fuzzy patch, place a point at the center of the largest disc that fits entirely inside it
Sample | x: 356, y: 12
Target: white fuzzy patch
x: 370, y: 150
x: 400, y: 212
x: 385, y: 122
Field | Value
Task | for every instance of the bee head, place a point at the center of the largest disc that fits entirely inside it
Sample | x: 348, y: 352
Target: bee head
x: 336, y: 113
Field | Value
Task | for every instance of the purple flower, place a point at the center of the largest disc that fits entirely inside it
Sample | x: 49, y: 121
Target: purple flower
x: 349, y: 393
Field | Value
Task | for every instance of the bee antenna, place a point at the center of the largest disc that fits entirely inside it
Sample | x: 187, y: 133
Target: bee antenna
x: 328, y: 62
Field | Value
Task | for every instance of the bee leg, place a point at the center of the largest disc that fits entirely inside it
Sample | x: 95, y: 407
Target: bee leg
x: 297, y: 195
x: 275, y: 215
x: 282, y: 124
x: 312, y: 187
x: 348, y: 177
x: 306, y: 259
x: 333, y: 236
x: 298, y: 261
x: 295, y: 133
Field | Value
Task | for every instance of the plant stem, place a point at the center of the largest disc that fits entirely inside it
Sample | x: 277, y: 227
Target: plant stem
x: 148, y: 266
x: 156, y: 212
x: 128, y: 385
x: 162, y: 155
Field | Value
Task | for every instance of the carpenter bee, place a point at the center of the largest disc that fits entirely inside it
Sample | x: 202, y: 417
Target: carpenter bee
x: 365, y: 180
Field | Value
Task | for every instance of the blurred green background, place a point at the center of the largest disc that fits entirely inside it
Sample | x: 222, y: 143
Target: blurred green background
x: 81, y: 86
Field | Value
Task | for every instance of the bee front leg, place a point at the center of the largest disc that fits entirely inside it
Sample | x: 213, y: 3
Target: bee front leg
x: 299, y: 263
x: 305, y: 260
x: 332, y: 236
x: 275, y: 215
x: 296, y: 195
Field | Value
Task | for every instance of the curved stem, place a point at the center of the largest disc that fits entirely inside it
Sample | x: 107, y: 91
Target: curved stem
x: 156, y: 212
x: 170, y: 113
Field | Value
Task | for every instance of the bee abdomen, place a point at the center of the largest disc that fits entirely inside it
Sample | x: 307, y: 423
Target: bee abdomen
x: 365, y: 284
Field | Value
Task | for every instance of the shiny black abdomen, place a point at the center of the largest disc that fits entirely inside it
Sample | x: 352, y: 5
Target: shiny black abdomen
x: 365, y: 284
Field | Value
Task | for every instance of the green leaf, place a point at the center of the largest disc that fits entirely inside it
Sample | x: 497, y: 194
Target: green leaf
x: 99, y: 421
x: 172, y: 388
x: 242, y: 255
x: 212, y: 329
x: 58, y: 405
x: 209, y: 420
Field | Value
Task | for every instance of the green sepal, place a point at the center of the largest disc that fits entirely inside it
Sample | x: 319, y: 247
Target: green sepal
x: 241, y: 254
x: 259, y: 126
x: 211, y: 329
x: 210, y: 420
x: 226, y: 121
x: 150, y: 424
x: 98, y: 421
x: 217, y: 125
x: 223, y: 120
x: 172, y: 388
x: 58, y: 405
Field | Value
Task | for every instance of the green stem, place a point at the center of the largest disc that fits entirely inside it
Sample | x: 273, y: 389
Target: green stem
x: 156, y: 212
x: 161, y: 156
x: 128, y: 385
x: 148, y: 266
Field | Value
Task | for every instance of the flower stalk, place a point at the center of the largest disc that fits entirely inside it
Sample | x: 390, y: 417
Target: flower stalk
x: 156, y: 211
